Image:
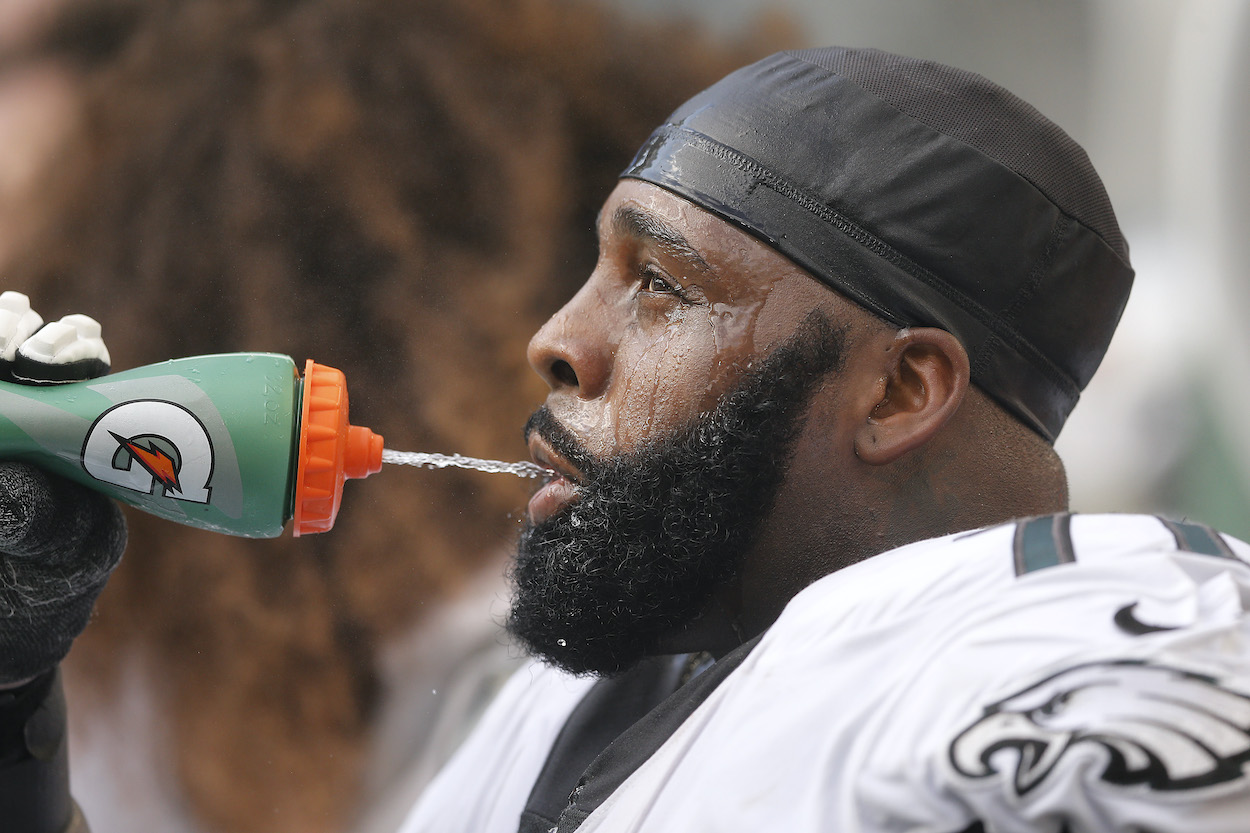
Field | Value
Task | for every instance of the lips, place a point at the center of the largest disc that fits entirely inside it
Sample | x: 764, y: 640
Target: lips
x: 560, y: 490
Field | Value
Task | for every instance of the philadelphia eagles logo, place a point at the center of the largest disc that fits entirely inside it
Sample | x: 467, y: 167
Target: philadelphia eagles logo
x: 1146, y: 724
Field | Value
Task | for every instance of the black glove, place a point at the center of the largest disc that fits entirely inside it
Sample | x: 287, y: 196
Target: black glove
x: 58, y: 541
x: 58, y: 544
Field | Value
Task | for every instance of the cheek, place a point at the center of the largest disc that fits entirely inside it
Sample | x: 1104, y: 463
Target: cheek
x: 677, y: 373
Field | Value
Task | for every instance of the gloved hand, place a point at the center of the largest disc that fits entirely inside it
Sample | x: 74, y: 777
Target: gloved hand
x: 59, y: 541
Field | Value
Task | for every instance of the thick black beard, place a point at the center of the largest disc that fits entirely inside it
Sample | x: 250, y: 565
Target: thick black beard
x: 638, y: 556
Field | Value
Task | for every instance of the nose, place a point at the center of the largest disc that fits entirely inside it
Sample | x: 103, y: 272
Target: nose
x: 573, y: 351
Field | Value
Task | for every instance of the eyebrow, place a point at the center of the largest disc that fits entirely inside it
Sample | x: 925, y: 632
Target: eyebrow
x: 635, y: 222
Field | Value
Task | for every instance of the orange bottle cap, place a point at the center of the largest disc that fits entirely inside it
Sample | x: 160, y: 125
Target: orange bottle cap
x: 330, y: 450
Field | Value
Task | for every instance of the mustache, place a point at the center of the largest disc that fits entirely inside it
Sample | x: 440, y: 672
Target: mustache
x: 544, y: 423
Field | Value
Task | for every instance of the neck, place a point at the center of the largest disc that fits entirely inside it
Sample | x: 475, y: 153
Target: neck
x: 988, y: 469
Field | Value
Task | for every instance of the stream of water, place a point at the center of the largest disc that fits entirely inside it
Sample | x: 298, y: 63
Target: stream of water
x: 442, y: 461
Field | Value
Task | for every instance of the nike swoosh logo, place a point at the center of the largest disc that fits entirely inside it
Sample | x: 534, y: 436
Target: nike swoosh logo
x: 1128, y: 622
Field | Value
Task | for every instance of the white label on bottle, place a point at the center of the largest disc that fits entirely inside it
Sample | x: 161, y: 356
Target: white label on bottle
x: 152, y: 447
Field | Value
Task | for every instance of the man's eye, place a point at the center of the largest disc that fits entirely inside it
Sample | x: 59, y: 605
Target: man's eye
x: 653, y: 280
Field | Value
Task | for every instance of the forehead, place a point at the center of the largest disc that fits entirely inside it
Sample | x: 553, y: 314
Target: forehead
x: 642, y: 210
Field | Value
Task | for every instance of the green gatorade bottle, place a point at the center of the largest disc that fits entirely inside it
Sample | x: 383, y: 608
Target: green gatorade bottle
x: 236, y: 443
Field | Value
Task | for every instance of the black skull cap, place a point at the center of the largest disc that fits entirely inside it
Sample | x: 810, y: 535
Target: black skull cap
x: 927, y: 194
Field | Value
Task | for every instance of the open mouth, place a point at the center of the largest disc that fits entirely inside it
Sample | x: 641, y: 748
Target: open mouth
x: 561, y: 486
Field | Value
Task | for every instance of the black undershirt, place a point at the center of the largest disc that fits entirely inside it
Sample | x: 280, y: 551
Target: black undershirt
x: 616, y: 727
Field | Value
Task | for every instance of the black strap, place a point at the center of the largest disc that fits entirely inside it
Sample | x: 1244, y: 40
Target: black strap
x: 624, y: 752
x: 17, y: 706
x: 1047, y: 541
x: 34, y: 768
x: 1043, y: 542
x: 978, y: 826
x: 1199, y: 538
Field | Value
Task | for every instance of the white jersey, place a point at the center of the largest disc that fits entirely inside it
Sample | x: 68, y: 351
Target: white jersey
x: 1077, y: 673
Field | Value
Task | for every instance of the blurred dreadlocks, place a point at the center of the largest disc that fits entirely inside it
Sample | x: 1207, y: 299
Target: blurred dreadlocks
x: 402, y: 189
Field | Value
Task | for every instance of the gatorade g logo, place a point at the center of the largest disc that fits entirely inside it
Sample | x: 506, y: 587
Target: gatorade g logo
x: 153, y: 447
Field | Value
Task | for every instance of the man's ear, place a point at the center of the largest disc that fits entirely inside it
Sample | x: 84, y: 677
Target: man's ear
x: 922, y: 385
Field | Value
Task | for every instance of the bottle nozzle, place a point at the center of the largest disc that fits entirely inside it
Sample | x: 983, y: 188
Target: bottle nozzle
x: 330, y: 450
x: 363, y: 454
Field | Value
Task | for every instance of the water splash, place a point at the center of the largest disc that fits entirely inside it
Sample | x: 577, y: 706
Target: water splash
x: 442, y: 461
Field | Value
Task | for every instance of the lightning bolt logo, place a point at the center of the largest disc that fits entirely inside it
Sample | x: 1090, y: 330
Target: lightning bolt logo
x: 158, y: 449
x: 154, y: 460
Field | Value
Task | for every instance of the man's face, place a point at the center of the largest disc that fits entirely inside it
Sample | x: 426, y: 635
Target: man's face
x: 679, y: 376
x: 678, y: 306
